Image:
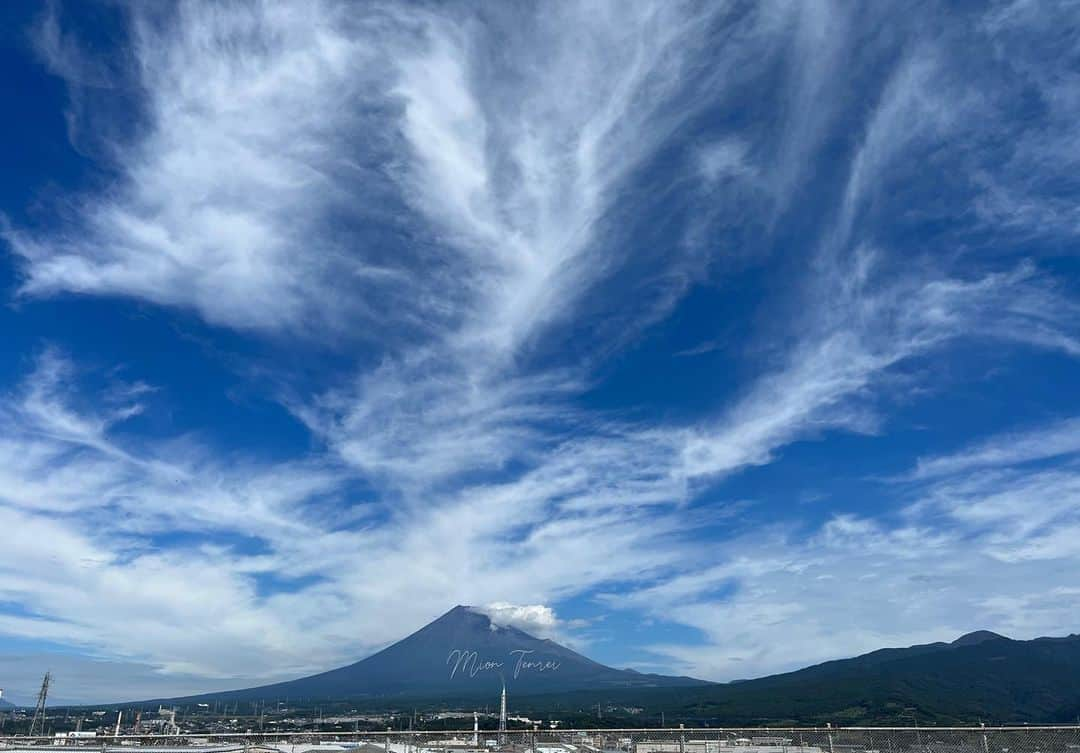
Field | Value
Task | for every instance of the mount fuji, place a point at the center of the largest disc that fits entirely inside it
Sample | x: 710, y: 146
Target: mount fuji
x: 461, y: 653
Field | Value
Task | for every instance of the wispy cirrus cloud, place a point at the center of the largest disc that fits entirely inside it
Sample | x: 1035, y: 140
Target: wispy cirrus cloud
x: 236, y: 162
x: 275, y: 138
x: 588, y: 512
x: 983, y: 512
x: 1042, y: 443
x: 1026, y: 190
x: 113, y: 537
x: 917, y: 583
x: 479, y: 207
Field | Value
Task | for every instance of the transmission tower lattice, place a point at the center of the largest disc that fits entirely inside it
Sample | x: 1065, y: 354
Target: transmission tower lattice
x: 37, y: 724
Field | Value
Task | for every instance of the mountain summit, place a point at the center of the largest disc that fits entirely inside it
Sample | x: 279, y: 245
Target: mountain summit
x: 463, y: 652
x: 979, y: 636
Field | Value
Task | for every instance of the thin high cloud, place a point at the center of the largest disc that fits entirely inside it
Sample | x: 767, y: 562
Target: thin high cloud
x: 275, y: 137
x: 1043, y: 443
x: 789, y: 602
x: 573, y: 507
x: 468, y: 198
x: 90, y: 511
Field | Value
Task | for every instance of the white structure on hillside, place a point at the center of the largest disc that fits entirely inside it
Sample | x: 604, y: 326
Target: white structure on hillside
x: 502, y: 716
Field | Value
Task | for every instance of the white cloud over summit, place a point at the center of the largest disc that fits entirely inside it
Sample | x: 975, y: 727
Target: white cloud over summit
x: 532, y: 618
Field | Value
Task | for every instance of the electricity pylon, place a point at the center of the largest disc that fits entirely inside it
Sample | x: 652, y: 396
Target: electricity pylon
x: 37, y: 724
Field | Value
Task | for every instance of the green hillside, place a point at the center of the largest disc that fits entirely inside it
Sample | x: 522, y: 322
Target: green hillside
x: 981, y: 677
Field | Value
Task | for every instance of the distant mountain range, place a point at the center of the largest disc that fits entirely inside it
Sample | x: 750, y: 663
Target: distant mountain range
x: 462, y: 653
x: 981, y: 676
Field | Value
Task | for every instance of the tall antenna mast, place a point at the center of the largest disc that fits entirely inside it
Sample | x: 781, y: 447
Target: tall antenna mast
x: 502, y: 714
x: 37, y: 724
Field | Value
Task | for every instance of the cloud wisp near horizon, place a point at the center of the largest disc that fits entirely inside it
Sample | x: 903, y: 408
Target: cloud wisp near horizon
x: 716, y: 339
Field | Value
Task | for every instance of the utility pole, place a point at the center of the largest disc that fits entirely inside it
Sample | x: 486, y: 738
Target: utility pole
x: 37, y: 724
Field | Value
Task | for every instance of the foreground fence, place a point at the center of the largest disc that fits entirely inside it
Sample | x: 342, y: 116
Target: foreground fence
x: 1027, y: 739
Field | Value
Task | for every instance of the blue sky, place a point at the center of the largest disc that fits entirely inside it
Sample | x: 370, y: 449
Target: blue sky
x: 713, y: 338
